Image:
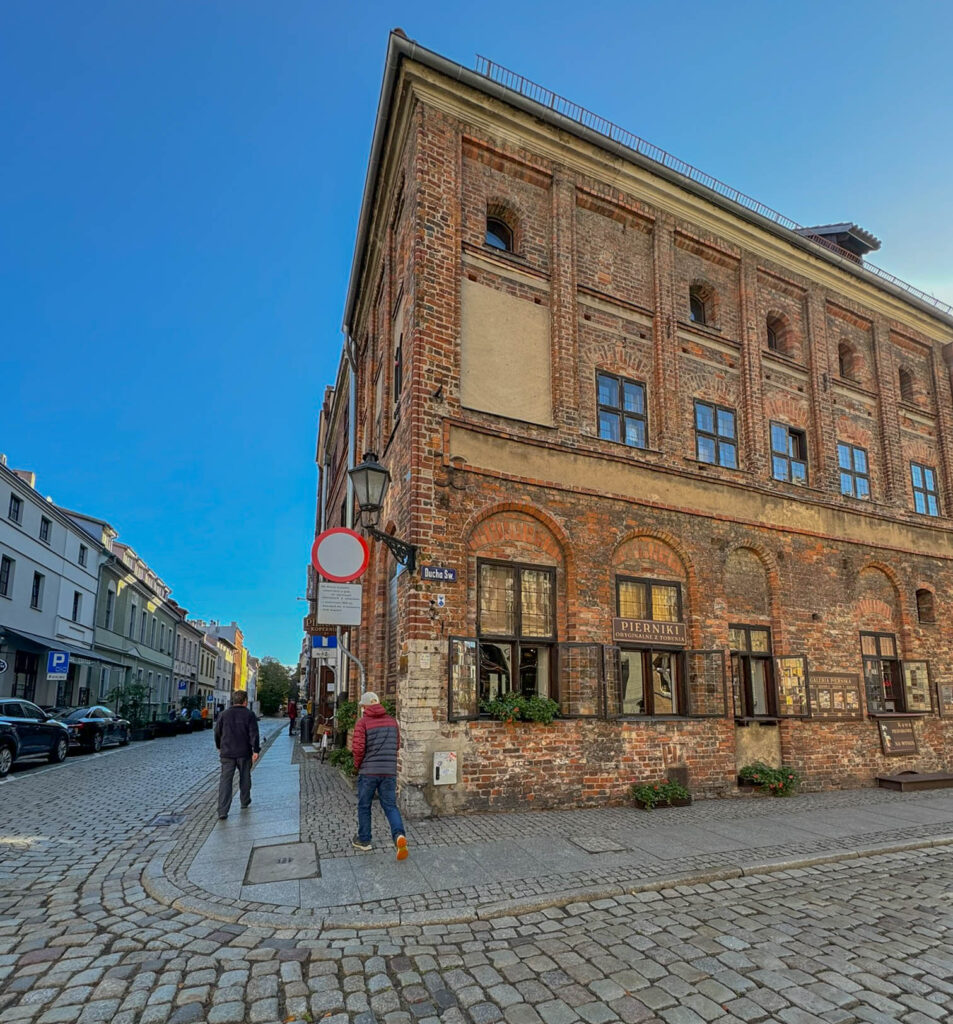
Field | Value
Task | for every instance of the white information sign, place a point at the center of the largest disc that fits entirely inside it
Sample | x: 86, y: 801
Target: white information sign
x: 339, y: 604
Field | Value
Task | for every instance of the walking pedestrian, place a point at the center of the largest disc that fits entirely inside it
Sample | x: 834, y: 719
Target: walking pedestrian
x: 375, y: 744
x: 236, y: 736
x: 292, y: 715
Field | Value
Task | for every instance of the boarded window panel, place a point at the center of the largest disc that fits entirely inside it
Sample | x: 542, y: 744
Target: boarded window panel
x: 505, y: 359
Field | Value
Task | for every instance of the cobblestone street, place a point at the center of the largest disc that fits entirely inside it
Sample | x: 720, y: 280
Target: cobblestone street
x: 86, y: 935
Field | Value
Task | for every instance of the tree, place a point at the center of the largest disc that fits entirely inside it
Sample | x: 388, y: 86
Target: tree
x: 274, y: 685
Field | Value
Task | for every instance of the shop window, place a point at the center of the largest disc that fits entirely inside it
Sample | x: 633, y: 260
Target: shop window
x: 854, y: 472
x: 788, y: 454
x: 926, y: 606
x: 652, y: 678
x: 925, y: 498
x: 715, y: 439
x: 752, y: 672
x: 621, y: 405
x: 883, y: 673
x: 516, y: 623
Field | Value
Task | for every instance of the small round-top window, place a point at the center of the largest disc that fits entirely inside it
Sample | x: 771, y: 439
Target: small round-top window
x: 498, y: 234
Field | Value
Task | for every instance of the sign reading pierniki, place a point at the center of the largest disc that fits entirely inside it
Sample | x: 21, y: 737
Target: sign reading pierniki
x: 648, y: 631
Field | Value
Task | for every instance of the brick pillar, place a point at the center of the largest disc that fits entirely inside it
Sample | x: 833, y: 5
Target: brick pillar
x: 755, y: 438
x: 888, y: 396
x: 666, y: 433
x: 943, y: 389
x: 823, y: 442
x: 563, y: 306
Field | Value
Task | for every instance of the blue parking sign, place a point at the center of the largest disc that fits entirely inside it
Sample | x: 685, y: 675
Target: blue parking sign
x: 57, y: 665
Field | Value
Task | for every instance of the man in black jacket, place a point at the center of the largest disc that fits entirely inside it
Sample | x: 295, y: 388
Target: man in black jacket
x: 236, y: 736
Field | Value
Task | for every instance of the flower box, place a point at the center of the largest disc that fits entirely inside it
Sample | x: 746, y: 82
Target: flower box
x: 674, y: 802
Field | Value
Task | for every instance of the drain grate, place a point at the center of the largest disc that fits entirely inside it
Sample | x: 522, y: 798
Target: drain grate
x: 168, y: 819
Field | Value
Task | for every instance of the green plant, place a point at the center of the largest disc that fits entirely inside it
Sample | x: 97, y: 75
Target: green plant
x: 342, y: 758
x: 651, y: 794
x: 346, y: 714
x: 132, y: 703
x: 776, y: 781
x: 512, y: 707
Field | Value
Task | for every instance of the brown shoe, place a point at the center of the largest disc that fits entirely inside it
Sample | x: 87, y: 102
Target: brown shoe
x: 401, y: 844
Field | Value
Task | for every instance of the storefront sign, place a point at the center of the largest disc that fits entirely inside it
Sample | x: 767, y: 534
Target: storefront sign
x: 648, y: 631
x: 835, y: 695
x: 897, y: 736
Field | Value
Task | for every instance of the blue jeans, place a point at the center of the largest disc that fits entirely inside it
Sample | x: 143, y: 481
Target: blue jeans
x: 385, y: 786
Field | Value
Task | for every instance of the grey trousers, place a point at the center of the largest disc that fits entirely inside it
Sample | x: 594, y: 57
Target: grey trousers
x: 229, y: 764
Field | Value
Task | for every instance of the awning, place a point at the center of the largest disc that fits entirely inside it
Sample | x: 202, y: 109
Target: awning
x: 38, y: 644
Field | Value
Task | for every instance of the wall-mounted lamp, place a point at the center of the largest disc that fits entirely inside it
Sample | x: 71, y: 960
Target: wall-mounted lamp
x: 370, y: 481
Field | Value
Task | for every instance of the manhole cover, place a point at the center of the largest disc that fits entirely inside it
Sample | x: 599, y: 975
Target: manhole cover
x: 282, y: 863
x: 168, y: 819
x: 597, y: 844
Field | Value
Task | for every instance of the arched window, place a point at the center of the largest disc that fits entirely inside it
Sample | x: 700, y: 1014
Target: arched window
x: 699, y: 305
x: 906, y: 385
x: 847, y: 360
x: 498, y: 234
x: 773, y: 334
x: 926, y: 609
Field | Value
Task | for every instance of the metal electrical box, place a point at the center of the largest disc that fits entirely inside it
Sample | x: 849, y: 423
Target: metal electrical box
x: 445, y: 768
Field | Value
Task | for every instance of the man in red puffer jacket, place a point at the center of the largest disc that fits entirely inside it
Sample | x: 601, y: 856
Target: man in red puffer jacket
x: 375, y: 744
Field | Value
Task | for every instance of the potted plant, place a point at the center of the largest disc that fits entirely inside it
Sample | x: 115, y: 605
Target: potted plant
x: 510, y: 707
x: 131, y: 703
x: 665, y: 793
x: 773, y: 781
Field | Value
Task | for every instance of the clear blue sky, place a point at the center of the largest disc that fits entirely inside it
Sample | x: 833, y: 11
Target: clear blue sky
x: 179, y: 190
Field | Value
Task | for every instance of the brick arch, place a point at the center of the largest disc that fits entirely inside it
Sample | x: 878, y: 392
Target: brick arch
x: 788, y: 410
x: 917, y: 451
x: 555, y: 541
x: 849, y: 430
x: 880, y: 599
x: 772, y: 577
x: 506, y: 209
x: 789, y: 344
x: 708, y: 293
x: 663, y: 550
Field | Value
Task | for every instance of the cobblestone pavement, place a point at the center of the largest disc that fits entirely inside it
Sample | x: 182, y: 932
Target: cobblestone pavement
x: 82, y: 940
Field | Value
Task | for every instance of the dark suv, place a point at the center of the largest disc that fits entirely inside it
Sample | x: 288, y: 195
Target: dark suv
x: 37, y: 733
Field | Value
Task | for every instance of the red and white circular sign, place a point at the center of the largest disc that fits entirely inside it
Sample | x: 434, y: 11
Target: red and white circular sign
x: 340, y: 555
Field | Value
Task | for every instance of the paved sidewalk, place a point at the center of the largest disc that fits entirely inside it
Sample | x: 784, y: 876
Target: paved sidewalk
x: 467, y: 867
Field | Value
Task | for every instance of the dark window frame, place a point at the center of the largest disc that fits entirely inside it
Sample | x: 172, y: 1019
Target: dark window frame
x: 926, y: 606
x: 623, y: 415
x: 83, y: 556
x: 46, y: 530
x: 908, y: 392
x: 649, y: 581
x: 36, y: 592
x: 851, y: 473
x: 742, y: 659
x: 788, y: 456
x: 498, y: 229
x: 15, y: 509
x: 7, y: 569
x: 869, y: 661
x: 697, y: 307
x: 518, y: 641
x: 923, y: 493
x: 77, y: 605
x: 717, y: 439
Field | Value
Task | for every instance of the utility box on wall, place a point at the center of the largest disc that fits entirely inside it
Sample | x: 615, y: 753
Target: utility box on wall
x: 444, y: 768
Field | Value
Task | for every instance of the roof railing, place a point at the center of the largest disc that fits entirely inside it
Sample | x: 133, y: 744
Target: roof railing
x: 560, y: 105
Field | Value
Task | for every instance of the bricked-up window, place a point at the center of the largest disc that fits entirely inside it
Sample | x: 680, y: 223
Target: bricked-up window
x: 652, y: 679
x: 925, y: 499
x: 854, y: 471
x: 621, y: 410
x: 788, y: 454
x: 499, y: 235
x: 883, y: 677
x: 46, y: 528
x: 15, y: 511
x: 907, y: 393
x: 6, y: 576
x: 715, y: 440
x: 925, y: 606
x: 752, y: 672
x: 516, y: 623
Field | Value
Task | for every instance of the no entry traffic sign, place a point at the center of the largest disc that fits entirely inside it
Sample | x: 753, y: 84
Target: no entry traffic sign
x: 340, y: 555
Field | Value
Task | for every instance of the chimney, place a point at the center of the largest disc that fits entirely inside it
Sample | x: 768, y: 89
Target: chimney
x: 27, y: 476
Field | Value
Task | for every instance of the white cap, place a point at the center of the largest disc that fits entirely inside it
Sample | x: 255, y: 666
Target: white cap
x: 369, y: 698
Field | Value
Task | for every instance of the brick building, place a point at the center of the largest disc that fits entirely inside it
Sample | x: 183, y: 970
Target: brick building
x: 691, y: 463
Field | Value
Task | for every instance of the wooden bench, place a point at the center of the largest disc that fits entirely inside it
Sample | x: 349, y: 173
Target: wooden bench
x: 906, y: 782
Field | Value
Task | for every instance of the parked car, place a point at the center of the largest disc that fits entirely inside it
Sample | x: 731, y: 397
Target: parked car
x: 95, y: 727
x: 38, y: 735
x: 9, y: 748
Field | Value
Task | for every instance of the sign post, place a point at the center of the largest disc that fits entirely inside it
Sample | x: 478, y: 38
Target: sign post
x: 57, y: 666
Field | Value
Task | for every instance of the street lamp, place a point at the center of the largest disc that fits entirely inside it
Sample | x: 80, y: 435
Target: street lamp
x: 370, y: 481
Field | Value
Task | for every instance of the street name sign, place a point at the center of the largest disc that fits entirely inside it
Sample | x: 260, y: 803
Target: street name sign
x: 439, y: 573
